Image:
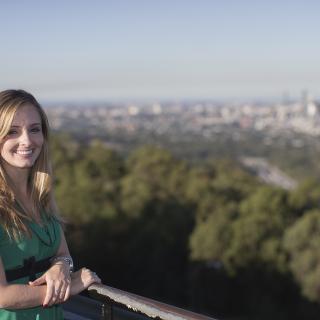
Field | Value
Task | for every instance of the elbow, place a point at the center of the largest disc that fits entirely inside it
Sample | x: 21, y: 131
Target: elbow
x: 4, y: 303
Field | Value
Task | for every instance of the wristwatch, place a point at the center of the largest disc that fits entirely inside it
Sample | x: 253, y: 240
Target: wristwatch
x: 66, y: 259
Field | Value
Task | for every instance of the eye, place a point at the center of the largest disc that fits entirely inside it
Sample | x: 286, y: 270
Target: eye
x: 12, y: 132
x: 35, y: 130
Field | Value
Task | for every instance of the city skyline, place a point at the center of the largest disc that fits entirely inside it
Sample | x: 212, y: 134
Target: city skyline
x: 160, y: 50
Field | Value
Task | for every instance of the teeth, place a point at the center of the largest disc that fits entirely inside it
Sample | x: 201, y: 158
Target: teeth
x: 24, y: 152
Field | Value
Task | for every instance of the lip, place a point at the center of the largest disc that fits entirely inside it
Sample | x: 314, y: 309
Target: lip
x: 24, y: 152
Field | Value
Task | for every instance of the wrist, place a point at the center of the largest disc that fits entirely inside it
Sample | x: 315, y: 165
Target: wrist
x: 76, y: 283
x: 63, y: 260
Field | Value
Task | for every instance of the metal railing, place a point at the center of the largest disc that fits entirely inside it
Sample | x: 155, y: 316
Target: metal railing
x: 112, y: 298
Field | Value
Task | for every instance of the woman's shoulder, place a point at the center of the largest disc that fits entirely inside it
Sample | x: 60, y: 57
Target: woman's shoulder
x: 51, y: 221
x: 3, y: 233
x: 48, y: 216
x: 51, y: 216
x: 2, y: 228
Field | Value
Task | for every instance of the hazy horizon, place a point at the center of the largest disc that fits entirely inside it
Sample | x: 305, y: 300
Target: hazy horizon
x: 122, y: 50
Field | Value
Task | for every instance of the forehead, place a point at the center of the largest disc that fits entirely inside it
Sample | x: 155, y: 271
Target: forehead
x: 27, y: 114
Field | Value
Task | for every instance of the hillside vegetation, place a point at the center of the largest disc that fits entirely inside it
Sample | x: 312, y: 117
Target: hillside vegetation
x: 205, y: 236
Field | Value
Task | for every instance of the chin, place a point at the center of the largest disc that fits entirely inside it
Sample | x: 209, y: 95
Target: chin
x: 27, y: 165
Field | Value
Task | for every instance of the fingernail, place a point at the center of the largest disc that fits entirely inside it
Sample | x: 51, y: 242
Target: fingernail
x: 45, y: 306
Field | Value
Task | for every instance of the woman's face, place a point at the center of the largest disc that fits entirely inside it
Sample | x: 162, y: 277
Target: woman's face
x: 22, y: 145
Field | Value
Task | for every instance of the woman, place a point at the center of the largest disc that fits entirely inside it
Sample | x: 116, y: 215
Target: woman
x: 35, y: 263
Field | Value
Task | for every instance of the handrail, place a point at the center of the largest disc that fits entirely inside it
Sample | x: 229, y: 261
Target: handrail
x: 139, y: 304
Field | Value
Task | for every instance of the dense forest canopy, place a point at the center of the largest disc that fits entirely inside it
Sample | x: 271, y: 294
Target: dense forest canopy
x: 205, y: 236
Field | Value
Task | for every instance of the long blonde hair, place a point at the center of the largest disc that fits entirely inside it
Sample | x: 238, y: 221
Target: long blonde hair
x: 13, y: 216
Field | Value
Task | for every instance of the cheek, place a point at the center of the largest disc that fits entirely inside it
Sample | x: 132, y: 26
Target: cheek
x: 39, y: 141
x: 3, y: 149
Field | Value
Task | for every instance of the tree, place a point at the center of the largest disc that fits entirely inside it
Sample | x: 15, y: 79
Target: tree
x: 257, y: 232
x: 218, y: 190
x: 306, y: 196
x: 153, y: 173
x: 301, y: 241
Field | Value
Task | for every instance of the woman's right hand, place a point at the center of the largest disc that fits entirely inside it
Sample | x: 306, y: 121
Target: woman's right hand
x: 82, y: 279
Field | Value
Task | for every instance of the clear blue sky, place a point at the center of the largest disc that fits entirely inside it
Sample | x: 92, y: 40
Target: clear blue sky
x: 75, y: 49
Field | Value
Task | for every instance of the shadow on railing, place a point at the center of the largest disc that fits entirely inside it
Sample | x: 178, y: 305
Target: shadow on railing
x: 113, y: 304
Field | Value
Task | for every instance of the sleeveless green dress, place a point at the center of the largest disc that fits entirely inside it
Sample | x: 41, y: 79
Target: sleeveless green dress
x: 44, y: 243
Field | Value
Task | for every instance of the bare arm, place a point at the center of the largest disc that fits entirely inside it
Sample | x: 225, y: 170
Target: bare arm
x: 20, y: 296
x: 17, y: 296
x: 63, y: 249
x: 57, y: 278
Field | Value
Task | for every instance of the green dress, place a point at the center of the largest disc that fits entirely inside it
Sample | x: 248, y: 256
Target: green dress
x: 44, y: 243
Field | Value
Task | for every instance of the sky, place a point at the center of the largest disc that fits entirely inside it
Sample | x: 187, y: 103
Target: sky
x: 150, y: 49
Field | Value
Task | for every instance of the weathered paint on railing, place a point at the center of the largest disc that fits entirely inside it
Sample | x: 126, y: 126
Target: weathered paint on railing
x: 145, y: 306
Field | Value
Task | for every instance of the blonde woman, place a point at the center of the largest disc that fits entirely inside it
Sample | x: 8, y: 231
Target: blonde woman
x: 35, y: 263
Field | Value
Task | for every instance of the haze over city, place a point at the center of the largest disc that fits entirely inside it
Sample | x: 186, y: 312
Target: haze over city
x: 231, y: 50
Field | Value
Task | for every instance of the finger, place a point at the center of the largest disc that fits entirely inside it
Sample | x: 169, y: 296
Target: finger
x: 37, y: 282
x: 56, y: 292
x: 63, y: 291
x: 67, y: 293
x: 49, y: 293
x: 95, y: 278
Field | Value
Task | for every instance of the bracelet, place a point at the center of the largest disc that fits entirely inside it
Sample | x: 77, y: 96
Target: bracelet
x: 66, y: 259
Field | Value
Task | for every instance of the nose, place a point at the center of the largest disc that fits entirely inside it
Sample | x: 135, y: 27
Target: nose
x: 25, y: 138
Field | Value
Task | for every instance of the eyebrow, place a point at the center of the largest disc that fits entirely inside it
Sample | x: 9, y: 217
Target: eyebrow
x: 32, y: 124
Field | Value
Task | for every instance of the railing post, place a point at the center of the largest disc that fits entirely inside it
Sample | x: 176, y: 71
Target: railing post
x: 107, y: 311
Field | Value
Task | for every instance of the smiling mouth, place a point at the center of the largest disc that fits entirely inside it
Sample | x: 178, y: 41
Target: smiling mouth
x: 24, y: 152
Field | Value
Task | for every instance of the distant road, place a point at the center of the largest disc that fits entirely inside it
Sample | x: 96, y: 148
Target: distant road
x: 268, y: 173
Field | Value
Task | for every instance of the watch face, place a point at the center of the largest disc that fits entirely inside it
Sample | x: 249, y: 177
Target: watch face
x: 65, y: 259
x: 71, y: 265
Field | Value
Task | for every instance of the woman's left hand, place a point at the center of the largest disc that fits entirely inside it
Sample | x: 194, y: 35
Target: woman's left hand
x: 58, y: 282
